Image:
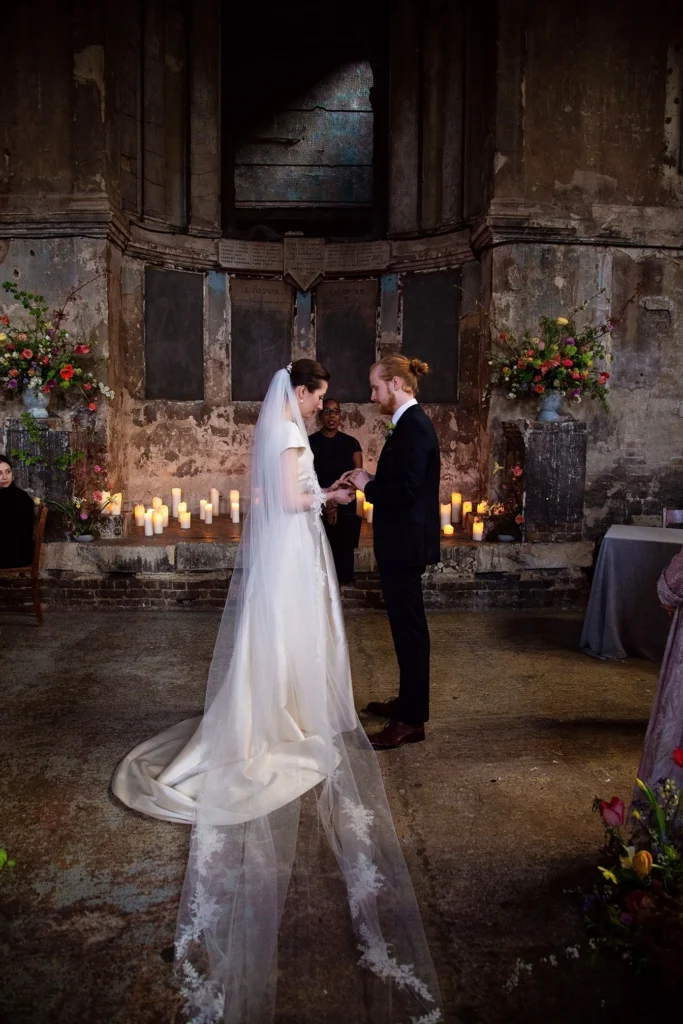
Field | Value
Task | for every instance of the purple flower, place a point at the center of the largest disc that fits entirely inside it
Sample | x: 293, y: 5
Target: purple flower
x: 570, y: 341
x: 627, y: 918
x: 83, y: 515
x: 609, y: 325
x: 589, y: 904
x: 11, y: 383
x: 51, y: 333
x: 576, y: 393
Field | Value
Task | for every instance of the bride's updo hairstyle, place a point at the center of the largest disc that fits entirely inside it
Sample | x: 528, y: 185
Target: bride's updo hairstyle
x: 309, y: 373
x: 409, y: 371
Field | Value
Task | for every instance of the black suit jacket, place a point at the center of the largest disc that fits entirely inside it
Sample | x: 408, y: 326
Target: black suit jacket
x: 405, y: 494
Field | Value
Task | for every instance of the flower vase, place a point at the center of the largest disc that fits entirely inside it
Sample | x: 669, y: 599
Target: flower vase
x: 83, y: 538
x: 36, y: 402
x: 549, y: 409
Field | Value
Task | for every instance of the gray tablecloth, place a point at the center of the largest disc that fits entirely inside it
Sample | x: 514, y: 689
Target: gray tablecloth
x: 624, y: 616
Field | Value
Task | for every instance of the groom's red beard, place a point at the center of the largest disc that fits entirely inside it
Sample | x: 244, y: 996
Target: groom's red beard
x: 388, y: 408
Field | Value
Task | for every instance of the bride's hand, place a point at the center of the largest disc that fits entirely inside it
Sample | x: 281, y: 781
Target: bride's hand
x: 341, y: 495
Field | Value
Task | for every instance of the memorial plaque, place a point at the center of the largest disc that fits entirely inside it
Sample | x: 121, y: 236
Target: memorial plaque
x: 346, y: 322
x: 174, y: 335
x: 234, y: 254
x: 261, y: 334
x: 304, y: 262
x: 431, y: 330
x: 357, y: 257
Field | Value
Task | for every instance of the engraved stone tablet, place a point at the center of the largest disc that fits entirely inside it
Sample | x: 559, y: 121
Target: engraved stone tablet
x: 261, y: 332
x: 234, y: 254
x: 357, y: 257
x: 304, y: 261
x: 346, y: 319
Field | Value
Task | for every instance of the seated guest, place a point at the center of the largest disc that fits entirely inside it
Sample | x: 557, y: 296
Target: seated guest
x: 665, y: 728
x: 16, y: 521
x: 334, y: 453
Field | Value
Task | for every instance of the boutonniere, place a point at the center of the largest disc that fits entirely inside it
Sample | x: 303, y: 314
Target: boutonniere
x: 388, y: 430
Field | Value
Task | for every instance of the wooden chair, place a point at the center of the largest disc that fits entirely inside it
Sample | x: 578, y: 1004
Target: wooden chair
x: 34, y: 568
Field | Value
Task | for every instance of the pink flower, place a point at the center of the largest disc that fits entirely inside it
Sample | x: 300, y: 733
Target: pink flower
x: 541, y: 346
x: 517, y: 470
x: 613, y: 812
x: 84, y: 515
x: 98, y: 469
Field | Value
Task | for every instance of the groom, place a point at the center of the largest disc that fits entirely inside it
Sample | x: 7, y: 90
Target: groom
x: 405, y: 496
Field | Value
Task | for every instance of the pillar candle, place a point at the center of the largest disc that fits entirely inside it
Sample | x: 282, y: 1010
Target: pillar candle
x: 369, y: 509
x: 164, y: 512
x: 115, y: 504
x: 158, y: 520
x: 185, y: 520
x: 360, y: 498
x: 139, y: 515
x: 182, y: 507
x: 202, y: 507
x: 482, y: 508
x: 234, y: 511
x: 149, y: 524
x: 366, y: 506
x: 456, y: 507
x: 466, y: 509
x: 157, y: 503
x: 448, y: 530
x: 477, y: 530
x: 208, y: 513
x: 176, y: 495
x: 216, y: 501
x: 445, y: 515
x: 234, y: 496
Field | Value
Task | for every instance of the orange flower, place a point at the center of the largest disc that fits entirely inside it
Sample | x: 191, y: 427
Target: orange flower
x: 27, y: 354
x: 92, y: 406
x: 66, y: 372
x: 641, y: 863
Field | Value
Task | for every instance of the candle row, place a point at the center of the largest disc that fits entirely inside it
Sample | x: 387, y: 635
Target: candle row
x: 457, y: 510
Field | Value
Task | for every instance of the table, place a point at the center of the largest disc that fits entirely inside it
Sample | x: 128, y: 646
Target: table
x: 624, y: 616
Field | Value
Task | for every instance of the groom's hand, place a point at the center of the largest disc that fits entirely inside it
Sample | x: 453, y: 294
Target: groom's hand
x: 357, y: 477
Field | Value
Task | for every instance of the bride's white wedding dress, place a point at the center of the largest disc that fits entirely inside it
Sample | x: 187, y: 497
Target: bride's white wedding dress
x: 279, y: 720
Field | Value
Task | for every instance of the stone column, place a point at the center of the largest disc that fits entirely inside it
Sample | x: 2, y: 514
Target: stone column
x: 554, y: 459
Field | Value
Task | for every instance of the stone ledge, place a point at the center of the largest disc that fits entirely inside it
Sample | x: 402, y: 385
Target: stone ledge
x: 466, y: 558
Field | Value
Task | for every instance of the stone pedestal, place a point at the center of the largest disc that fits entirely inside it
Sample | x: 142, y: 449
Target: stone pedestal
x: 554, y: 459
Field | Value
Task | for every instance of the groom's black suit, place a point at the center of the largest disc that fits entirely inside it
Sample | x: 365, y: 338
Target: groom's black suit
x: 405, y: 496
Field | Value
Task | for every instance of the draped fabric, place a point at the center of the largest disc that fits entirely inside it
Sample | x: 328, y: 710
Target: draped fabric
x: 279, y: 722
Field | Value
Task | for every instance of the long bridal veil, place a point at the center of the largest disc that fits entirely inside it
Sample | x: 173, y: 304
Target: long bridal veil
x: 280, y: 741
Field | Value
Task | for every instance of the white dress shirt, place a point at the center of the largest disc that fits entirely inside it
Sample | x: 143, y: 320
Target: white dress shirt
x: 401, y: 409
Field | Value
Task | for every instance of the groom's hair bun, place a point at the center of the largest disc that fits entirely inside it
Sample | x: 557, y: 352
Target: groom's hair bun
x: 309, y: 373
x: 408, y: 370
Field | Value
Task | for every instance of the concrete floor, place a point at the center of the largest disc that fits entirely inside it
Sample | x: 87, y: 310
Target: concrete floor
x: 494, y: 814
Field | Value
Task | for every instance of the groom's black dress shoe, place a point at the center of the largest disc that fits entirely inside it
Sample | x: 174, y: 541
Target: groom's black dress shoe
x: 383, y: 708
x: 396, y: 734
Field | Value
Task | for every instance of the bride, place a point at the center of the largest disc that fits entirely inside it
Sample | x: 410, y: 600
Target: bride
x: 279, y: 721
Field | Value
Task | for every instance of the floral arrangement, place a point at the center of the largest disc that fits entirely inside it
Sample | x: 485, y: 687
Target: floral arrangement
x: 558, y: 358
x: 507, y: 515
x: 84, y: 516
x: 39, y: 354
x: 637, y: 907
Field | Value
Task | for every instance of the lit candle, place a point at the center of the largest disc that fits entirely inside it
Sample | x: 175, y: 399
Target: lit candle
x: 158, y: 520
x: 216, y: 501
x: 477, y: 530
x: 115, y: 504
x: 448, y: 530
x: 202, y: 507
x: 164, y: 512
x: 466, y: 510
x: 157, y: 503
x: 482, y: 508
x: 445, y: 514
x: 139, y: 515
x: 456, y: 507
x: 104, y: 503
x: 234, y: 511
x: 368, y: 511
x: 182, y: 507
x: 149, y: 524
x: 185, y: 520
x: 234, y: 496
x: 176, y: 495
x: 360, y: 498
x: 208, y: 513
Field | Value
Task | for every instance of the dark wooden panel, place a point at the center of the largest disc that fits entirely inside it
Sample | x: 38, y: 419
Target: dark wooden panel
x: 346, y: 318
x: 430, y: 330
x: 174, y: 335
x: 261, y: 331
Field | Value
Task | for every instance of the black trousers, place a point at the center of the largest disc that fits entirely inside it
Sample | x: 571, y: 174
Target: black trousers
x: 343, y: 537
x: 402, y: 589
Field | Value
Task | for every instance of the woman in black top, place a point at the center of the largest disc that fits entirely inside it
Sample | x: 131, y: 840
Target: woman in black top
x: 334, y: 453
x: 16, y: 521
